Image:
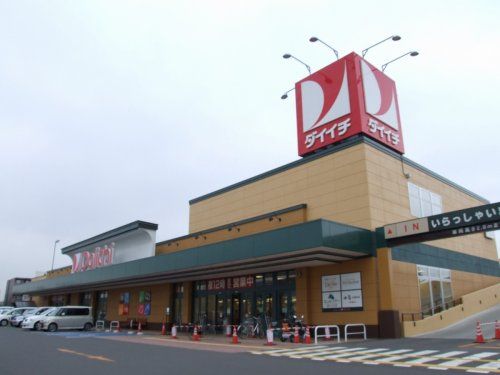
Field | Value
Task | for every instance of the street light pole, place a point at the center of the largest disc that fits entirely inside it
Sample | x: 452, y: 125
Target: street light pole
x: 54, y: 254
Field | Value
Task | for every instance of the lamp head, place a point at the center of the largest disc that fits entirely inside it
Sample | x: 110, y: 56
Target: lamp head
x: 287, y: 56
x: 396, y: 38
x: 313, y: 39
x: 284, y: 96
x: 414, y: 53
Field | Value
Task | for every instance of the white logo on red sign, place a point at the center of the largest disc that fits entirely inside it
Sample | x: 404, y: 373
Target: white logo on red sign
x: 324, y: 99
x: 89, y: 260
x: 380, y: 96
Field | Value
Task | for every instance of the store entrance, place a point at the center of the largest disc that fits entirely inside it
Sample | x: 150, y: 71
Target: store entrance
x: 269, y: 296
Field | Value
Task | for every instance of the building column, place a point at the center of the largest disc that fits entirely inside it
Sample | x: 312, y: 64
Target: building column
x: 388, y: 317
x: 302, y: 287
x: 187, y: 298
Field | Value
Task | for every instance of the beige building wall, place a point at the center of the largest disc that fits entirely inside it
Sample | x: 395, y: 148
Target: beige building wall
x: 361, y: 186
x: 333, y: 187
x: 309, y: 297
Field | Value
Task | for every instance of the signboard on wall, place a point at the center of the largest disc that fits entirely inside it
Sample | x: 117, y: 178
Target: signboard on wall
x: 237, y: 282
x: 346, y: 98
x: 123, y: 307
x: 144, y: 306
x: 455, y: 223
x: 130, y: 242
x: 342, y: 292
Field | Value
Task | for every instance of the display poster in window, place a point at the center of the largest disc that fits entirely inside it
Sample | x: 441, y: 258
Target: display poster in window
x: 332, y: 300
x: 350, y: 281
x: 144, y: 307
x: 123, y: 307
x: 352, y: 299
x: 342, y: 292
x: 330, y: 283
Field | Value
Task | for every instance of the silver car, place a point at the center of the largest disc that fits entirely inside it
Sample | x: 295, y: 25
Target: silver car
x: 33, y: 321
x: 68, y: 317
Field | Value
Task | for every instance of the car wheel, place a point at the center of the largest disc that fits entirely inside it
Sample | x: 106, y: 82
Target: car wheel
x: 52, y: 327
x: 3, y: 323
x: 37, y: 326
x: 87, y: 327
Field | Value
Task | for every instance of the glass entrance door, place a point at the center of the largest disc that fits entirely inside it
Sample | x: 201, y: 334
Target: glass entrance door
x: 235, y: 309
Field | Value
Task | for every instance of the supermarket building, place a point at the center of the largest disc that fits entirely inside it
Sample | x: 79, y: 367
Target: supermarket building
x: 306, y: 238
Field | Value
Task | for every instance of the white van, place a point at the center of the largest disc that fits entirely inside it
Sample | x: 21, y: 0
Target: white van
x: 68, y: 317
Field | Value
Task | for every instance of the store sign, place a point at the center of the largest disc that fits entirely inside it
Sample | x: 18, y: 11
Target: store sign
x: 89, y: 260
x: 456, y: 223
x: 342, y: 292
x: 346, y: 98
x: 237, y: 282
x: 130, y: 244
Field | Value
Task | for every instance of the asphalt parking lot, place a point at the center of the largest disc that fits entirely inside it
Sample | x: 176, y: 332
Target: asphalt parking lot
x: 75, y: 352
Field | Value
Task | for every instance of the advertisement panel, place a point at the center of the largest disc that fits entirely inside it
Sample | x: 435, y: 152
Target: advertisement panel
x: 342, y: 292
x: 343, y: 99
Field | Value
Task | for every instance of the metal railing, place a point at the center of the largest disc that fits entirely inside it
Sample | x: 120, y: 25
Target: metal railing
x: 411, y: 317
x: 346, y: 333
x: 327, y: 334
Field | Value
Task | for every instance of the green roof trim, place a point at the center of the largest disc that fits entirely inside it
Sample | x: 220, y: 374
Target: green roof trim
x: 350, y: 142
x: 278, y: 242
x: 427, y: 255
x: 110, y: 234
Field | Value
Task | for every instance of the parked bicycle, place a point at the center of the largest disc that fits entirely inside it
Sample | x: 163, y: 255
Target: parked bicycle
x: 251, y: 327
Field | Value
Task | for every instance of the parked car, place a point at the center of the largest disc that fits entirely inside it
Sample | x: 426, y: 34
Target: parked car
x: 16, y: 320
x: 33, y: 321
x: 5, y: 309
x: 68, y: 317
x: 6, y: 316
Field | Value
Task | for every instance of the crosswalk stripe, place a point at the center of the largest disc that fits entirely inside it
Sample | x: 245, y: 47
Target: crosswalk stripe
x: 470, y: 358
x: 316, y: 353
x: 343, y: 355
x: 494, y: 365
x: 399, y: 357
x: 339, y: 351
x: 435, y: 357
x: 286, y: 352
x: 363, y: 357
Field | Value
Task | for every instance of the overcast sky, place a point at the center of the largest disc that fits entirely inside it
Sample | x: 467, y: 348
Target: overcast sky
x: 114, y: 111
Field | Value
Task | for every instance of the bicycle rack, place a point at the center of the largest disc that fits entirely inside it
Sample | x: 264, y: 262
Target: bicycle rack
x: 334, y: 327
x: 346, y: 334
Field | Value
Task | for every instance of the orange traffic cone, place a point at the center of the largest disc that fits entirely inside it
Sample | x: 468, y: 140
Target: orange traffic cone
x: 235, y: 336
x: 163, y: 329
x: 497, y: 330
x: 479, y: 334
x: 139, y: 329
x: 308, y: 336
x: 196, y: 336
x: 174, y: 332
x: 296, y: 339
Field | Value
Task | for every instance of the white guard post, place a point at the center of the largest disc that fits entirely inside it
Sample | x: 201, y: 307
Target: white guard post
x: 114, y: 326
x: 99, y: 325
x: 346, y: 334
x: 329, y: 334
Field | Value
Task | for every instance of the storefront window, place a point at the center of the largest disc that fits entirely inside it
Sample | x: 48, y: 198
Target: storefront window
x: 86, y: 299
x: 435, y: 289
x: 178, y: 297
x: 268, y: 278
x: 102, y: 305
x: 259, y: 280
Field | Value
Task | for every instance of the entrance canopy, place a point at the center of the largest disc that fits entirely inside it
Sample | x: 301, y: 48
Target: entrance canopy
x: 313, y: 243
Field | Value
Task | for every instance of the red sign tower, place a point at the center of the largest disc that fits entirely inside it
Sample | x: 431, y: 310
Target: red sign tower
x: 346, y: 98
